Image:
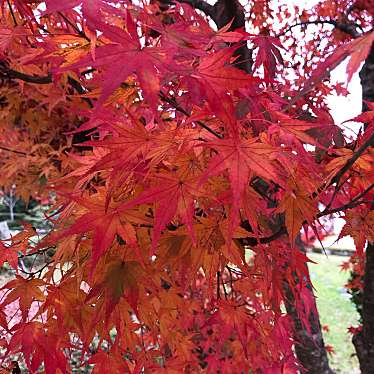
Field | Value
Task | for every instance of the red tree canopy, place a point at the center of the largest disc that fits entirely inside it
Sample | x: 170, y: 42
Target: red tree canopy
x: 180, y: 184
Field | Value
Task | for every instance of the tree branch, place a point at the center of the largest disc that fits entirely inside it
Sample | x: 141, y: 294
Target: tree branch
x: 33, y: 273
x: 352, y: 160
x: 350, y: 29
x: 75, y: 27
x: 13, y: 74
x: 177, y: 107
x: 13, y: 151
x: 252, y: 241
x: 197, y: 4
x: 363, y: 193
x: 8, y: 73
x: 12, y: 13
x: 350, y: 205
x: 222, y: 13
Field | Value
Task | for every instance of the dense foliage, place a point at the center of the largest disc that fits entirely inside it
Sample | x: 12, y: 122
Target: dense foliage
x: 181, y: 171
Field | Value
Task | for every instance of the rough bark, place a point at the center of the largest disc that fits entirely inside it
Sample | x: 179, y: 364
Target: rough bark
x: 364, y: 340
x: 226, y: 11
x: 367, y: 79
x: 310, y: 347
x: 223, y: 12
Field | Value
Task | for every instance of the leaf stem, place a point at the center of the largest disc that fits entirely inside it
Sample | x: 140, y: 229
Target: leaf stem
x: 177, y: 107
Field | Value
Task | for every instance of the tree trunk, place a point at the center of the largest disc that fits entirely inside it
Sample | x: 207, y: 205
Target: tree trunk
x: 364, y: 340
x: 310, y: 347
x: 367, y: 79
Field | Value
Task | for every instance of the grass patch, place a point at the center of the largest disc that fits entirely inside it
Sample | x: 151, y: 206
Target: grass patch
x: 335, y: 310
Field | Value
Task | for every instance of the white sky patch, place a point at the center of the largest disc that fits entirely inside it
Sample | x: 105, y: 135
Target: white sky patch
x: 343, y: 108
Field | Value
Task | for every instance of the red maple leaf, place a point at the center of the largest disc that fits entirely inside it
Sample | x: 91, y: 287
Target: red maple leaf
x: 174, y: 194
x: 121, y: 58
x: 91, y: 9
x: 242, y: 159
x: 268, y: 54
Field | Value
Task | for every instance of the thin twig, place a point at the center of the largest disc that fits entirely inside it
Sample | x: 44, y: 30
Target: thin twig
x: 347, y: 28
x: 352, y: 160
x: 363, y: 193
x: 46, y: 79
x: 224, y: 289
x: 79, y: 32
x: 177, y: 107
x: 202, y: 5
x: 350, y: 205
x: 218, y: 285
x: 252, y: 241
x: 39, y: 252
x: 12, y: 13
x: 33, y: 273
x: 14, y: 151
x: 336, y: 190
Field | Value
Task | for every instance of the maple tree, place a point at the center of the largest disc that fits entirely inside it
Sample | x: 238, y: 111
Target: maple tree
x: 182, y: 162
x: 326, y: 26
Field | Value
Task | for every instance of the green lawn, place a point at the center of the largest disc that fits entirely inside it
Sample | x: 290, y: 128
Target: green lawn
x: 335, y: 310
